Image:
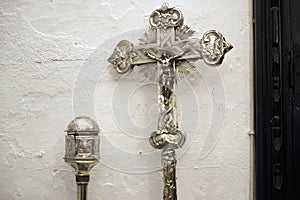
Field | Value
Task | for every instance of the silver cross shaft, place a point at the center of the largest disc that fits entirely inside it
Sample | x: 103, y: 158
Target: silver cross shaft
x: 170, y: 44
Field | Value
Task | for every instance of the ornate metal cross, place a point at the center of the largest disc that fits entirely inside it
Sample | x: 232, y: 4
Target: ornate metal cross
x: 169, y: 43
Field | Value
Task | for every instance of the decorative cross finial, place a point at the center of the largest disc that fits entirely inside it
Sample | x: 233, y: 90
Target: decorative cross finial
x: 166, y: 17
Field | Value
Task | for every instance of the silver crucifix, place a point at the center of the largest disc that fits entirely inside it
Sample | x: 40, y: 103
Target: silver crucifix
x: 170, y: 44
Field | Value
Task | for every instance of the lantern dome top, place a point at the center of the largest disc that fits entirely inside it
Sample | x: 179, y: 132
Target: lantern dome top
x: 83, y: 124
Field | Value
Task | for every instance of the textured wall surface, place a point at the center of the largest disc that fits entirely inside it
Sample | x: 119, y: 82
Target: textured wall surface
x: 52, y: 51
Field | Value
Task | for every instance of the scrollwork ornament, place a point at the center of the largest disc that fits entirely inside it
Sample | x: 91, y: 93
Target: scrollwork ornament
x: 166, y: 17
x: 160, y: 140
x: 214, y: 47
x: 122, y: 56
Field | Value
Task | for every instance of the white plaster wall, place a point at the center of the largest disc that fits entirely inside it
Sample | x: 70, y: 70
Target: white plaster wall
x: 45, y: 45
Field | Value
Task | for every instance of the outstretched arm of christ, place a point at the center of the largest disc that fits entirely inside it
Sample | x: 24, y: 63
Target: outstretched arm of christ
x: 164, y: 59
x: 151, y: 56
x: 176, y: 56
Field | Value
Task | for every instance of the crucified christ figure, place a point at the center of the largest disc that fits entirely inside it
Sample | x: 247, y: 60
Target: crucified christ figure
x: 167, y: 75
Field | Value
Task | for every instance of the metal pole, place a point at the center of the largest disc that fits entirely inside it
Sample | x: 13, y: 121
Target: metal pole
x: 82, y: 191
x: 82, y: 182
x: 169, y: 174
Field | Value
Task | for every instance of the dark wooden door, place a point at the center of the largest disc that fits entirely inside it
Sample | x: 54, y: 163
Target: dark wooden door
x: 277, y: 98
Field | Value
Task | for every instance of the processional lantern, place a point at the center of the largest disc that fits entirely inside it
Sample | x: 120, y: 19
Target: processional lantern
x: 82, y: 150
